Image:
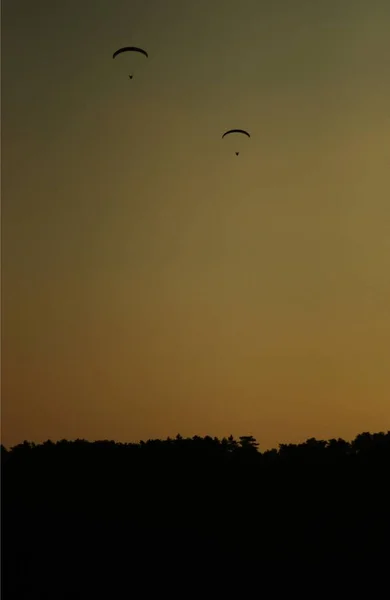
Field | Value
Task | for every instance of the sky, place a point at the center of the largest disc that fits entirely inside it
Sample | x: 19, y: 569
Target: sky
x: 152, y: 281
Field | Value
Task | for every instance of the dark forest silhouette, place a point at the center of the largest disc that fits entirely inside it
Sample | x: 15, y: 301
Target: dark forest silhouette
x: 104, y: 519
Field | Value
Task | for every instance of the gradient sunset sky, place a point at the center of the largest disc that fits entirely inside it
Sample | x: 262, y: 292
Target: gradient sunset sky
x: 152, y: 281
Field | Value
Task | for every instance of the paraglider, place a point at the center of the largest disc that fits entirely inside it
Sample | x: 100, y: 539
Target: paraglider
x: 130, y: 49
x: 242, y: 131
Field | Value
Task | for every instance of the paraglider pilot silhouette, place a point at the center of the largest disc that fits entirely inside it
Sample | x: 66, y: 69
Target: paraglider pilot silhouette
x: 242, y: 131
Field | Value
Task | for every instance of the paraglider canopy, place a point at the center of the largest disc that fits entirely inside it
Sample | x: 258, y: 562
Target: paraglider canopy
x: 236, y: 131
x: 242, y: 131
x: 130, y: 49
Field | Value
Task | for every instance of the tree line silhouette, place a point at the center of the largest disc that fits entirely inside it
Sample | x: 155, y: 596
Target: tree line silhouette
x: 108, y: 519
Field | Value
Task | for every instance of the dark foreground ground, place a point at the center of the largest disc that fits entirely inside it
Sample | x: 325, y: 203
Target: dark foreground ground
x: 203, y: 517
